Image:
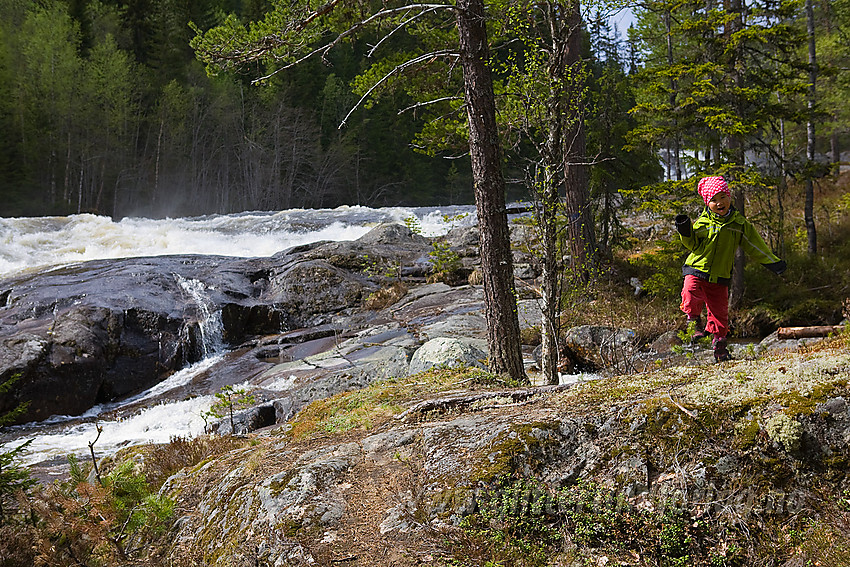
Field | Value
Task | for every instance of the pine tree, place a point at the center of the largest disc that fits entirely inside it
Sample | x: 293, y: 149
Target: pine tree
x: 293, y: 34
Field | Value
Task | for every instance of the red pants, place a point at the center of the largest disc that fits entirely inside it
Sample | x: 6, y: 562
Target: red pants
x: 697, y: 293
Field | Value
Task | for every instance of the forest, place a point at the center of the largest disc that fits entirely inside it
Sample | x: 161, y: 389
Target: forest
x: 106, y: 107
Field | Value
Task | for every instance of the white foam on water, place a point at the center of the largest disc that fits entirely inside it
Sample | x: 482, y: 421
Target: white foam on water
x: 210, y: 323
x: 31, y: 243
x: 156, y: 424
x: 281, y: 384
x: 176, y: 380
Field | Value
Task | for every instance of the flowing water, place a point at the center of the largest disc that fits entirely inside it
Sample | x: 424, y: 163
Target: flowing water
x: 153, y: 416
x: 27, y: 243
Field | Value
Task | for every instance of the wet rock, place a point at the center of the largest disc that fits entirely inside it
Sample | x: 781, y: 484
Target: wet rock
x: 98, y: 331
x: 76, y: 337
x: 382, y: 254
x: 247, y: 420
x: 310, y: 292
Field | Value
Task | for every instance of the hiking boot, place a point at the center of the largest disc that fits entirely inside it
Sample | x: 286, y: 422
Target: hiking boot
x: 721, y: 353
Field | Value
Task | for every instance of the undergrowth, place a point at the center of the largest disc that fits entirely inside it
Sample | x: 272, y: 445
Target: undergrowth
x: 162, y: 461
x: 83, y: 521
x: 114, y: 520
x: 524, y: 523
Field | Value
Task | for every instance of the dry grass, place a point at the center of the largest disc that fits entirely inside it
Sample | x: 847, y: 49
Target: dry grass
x: 386, y: 296
x: 161, y: 461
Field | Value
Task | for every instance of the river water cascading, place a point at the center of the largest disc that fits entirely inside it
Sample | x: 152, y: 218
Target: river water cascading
x: 29, y: 244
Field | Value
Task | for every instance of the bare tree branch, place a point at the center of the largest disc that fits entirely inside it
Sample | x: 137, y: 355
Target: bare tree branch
x: 393, y: 71
x: 404, y: 24
x: 265, y: 51
x: 429, y: 102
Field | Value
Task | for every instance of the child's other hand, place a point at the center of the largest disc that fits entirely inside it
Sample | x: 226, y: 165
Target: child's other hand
x: 683, y: 225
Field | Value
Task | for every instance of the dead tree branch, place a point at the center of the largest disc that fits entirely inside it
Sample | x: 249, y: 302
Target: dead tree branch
x: 275, y: 42
x: 452, y: 402
x: 394, y: 71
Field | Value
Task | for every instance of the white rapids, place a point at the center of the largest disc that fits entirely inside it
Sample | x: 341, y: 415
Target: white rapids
x: 37, y: 242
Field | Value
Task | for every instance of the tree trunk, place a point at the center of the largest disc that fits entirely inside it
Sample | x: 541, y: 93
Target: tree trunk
x: 834, y: 149
x: 811, y: 231
x: 577, y: 200
x: 503, y: 339
x: 736, y: 151
x: 550, y: 289
x: 736, y: 287
x: 677, y: 158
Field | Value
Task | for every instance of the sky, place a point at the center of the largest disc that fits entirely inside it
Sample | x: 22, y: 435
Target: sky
x: 623, y: 19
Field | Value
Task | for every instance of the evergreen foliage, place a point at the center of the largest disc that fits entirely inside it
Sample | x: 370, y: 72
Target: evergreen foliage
x: 228, y: 400
x: 14, y: 477
x: 105, y: 109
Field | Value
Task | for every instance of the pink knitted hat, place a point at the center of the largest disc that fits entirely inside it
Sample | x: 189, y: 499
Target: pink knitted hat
x: 710, y: 186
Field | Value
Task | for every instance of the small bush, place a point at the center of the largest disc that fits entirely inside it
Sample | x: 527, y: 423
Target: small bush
x: 531, y: 335
x: 446, y: 265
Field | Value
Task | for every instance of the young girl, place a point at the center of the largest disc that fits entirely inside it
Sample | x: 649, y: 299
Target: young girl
x: 713, y: 239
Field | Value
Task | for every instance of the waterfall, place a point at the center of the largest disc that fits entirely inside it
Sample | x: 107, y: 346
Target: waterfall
x: 210, y: 325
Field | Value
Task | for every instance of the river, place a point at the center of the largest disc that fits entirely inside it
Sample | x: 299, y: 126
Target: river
x: 154, y: 417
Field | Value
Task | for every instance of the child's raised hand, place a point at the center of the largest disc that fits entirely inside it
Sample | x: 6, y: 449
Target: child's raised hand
x: 777, y: 267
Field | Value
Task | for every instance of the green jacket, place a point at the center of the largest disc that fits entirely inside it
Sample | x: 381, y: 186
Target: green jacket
x: 713, y: 241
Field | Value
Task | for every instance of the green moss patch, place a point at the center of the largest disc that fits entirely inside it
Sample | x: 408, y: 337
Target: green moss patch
x: 377, y: 403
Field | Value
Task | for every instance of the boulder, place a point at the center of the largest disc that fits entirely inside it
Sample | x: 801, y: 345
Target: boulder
x: 308, y: 292
x: 246, y: 421
x: 529, y: 313
x: 593, y: 347
x: 447, y: 352
x: 90, y: 333
x: 382, y: 254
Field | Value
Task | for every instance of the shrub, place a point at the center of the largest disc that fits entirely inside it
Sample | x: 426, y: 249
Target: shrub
x: 109, y: 523
x: 386, y: 296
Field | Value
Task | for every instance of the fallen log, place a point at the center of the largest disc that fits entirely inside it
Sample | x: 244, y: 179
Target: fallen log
x: 807, y: 332
x: 453, y: 402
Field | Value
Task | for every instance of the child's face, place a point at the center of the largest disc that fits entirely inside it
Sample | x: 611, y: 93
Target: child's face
x: 720, y: 203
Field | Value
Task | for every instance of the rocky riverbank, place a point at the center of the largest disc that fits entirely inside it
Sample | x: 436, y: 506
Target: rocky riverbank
x: 743, y: 463
x: 376, y: 439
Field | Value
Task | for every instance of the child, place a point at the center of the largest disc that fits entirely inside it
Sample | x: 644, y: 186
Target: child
x: 713, y: 240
